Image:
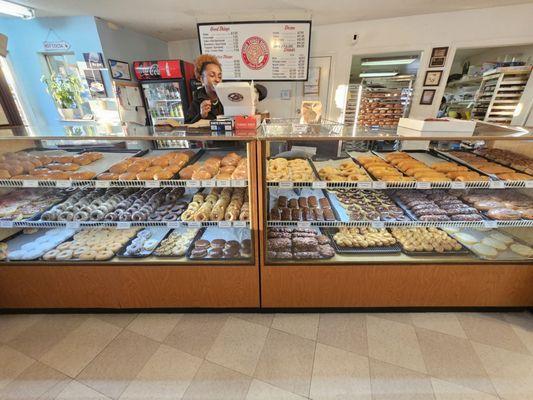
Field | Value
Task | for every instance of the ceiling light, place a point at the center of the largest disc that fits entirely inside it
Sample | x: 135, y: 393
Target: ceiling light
x: 376, y: 74
x: 368, y: 62
x: 16, y: 10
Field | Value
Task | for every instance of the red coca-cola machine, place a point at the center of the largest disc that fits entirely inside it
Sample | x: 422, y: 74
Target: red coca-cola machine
x: 166, y: 87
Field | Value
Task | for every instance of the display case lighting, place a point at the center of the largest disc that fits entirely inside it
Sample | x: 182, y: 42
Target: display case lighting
x: 16, y: 10
x: 369, y: 62
x: 376, y: 74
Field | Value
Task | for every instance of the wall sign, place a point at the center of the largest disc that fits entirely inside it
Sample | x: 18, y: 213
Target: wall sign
x: 438, y: 57
x: 94, y: 60
x: 267, y: 51
x: 119, y: 70
x: 59, y: 45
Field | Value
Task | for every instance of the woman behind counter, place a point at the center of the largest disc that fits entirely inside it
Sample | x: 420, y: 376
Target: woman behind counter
x: 205, y: 103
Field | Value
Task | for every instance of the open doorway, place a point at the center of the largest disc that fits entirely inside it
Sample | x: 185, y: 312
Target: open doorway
x: 380, y: 89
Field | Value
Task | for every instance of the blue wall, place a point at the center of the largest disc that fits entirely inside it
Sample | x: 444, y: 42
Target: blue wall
x: 25, y: 47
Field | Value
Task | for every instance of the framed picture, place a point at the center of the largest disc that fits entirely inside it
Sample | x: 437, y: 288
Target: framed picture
x: 427, y: 96
x: 432, y: 78
x: 95, y: 82
x: 438, y: 57
x: 94, y: 60
x: 119, y: 70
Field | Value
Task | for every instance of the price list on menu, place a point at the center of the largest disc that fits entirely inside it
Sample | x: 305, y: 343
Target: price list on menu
x: 258, y: 51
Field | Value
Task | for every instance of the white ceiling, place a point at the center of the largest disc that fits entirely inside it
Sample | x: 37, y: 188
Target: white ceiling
x: 176, y: 19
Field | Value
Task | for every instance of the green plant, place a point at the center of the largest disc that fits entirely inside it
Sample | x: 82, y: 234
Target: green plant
x: 65, y: 90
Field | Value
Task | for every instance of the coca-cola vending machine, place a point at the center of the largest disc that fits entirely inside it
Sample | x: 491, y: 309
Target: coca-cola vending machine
x: 166, y: 87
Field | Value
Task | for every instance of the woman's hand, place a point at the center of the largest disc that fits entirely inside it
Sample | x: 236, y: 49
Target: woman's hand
x: 205, y: 108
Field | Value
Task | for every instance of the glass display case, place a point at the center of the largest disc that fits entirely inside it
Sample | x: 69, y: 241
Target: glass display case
x: 349, y: 222
x: 155, y: 219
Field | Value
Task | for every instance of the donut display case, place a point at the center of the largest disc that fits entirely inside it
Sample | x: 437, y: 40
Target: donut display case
x: 158, y: 219
x: 446, y: 224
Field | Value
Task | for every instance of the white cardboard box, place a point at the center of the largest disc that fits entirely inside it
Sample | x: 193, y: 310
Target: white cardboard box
x: 450, y: 127
x: 237, y: 98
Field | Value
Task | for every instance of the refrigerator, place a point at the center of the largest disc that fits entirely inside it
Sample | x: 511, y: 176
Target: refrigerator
x: 166, y: 88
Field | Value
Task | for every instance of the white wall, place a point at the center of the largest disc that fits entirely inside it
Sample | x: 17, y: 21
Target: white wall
x: 186, y: 50
x: 499, y: 26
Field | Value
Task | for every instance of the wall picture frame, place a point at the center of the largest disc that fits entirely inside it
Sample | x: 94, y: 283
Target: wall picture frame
x: 438, y: 57
x: 432, y: 78
x: 94, y: 60
x: 120, y: 70
x: 427, y: 97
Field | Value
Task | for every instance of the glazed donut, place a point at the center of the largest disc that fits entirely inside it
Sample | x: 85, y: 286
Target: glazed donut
x: 65, y: 216
x: 64, y: 255
x: 97, y: 215
x: 104, y: 255
x: 111, y: 216
x: 50, y: 255
x: 97, y: 203
x: 125, y: 216
x: 49, y: 216
x: 81, y: 216
x: 87, y: 255
x: 138, y: 216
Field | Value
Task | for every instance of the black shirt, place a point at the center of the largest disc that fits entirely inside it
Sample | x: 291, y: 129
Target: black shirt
x: 194, y: 115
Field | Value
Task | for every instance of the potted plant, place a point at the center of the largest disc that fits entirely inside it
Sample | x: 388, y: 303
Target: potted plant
x: 66, y: 92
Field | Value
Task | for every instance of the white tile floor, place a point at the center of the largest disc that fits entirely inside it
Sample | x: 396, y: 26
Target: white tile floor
x: 379, y: 356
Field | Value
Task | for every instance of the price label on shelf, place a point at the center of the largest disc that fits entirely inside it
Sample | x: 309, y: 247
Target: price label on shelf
x: 239, y: 224
x: 193, y: 184
x: 364, y: 185
x: 497, y: 185
x: 490, y: 224
x: 529, y: 184
x: 223, y: 183
x: 303, y: 224
x: 102, y: 184
x: 194, y: 224
x: 225, y: 224
x: 30, y: 183
x: 378, y: 224
x: 123, y: 225
x: 209, y: 183
x: 319, y: 185
x: 63, y: 184
x: 173, y: 224
x: 238, y: 183
x: 423, y: 185
x: 379, y: 185
x: 73, y: 224
x: 457, y: 185
x: 152, y: 184
x: 286, y: 185
x: 6, y: 224
x: 299, y: 128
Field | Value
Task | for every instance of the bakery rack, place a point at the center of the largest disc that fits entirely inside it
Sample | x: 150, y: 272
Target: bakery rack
x: 407, y: 224
x: 500, y: 93
x: 17, y: 183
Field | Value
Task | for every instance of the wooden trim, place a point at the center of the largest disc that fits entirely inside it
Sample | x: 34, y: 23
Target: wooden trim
x: 401, y: 285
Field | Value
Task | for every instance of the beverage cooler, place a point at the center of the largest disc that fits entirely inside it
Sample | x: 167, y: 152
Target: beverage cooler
x: 166, y: 88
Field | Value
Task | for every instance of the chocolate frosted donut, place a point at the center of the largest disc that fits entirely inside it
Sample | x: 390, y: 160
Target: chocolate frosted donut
x: 282, y: 201
x: 125, y: 216
x: 170, y: 217
x: 138, y: 216
x: 111, y: 217
x: 293, y: 203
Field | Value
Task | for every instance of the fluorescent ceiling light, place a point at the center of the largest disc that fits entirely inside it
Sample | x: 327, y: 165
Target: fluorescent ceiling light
x: 376, y: 74
x: 16, y: 10
x: 368, y: 62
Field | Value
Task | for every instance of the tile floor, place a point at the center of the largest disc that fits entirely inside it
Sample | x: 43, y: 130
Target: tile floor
x: 379, y: 356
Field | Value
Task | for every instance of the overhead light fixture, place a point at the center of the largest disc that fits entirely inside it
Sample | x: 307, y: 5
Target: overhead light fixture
x: 376, y: 74
x: 369, y: 62
x: 16, y: 10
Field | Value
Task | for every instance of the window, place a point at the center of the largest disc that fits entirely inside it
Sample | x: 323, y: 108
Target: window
x: 5, y: 70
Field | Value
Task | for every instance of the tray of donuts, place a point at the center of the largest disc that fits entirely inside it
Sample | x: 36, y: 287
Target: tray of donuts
x: 378, y: 168
x: 506, y: 205
x: 491, y: 244
x: 436, y: 205
x: 341, y: 170
x: 153, y: 165
x: 97, y: 244
x: 427, y: 241
x: 364, y: 240
x: 298, y: 244
x: 218, y: 204
x: 306, y: 205
x: 31, y: 244
x: 144, y: 243
x: 221, y: 244
x: 217, y: 165
x: 55, y: 164
x: 287, y: 169
x: 29, y: 204
x: 430, y: 166
x: 121, y: 205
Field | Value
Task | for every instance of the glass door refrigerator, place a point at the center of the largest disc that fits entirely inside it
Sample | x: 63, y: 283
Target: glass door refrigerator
x: 165, y: 87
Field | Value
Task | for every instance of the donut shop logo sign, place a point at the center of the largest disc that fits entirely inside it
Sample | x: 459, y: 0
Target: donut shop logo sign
x: 59, y: 45
x: 255, y: 52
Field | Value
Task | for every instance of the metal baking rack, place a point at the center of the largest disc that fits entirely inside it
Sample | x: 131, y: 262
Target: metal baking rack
x: 388, y: 224
x: 122, y: 224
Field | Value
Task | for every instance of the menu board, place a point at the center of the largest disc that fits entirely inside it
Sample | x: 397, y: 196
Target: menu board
x: 266, y: 51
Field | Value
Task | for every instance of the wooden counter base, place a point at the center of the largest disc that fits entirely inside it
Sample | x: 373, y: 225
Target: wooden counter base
x: 400, y: 285
x: 137, y: 286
